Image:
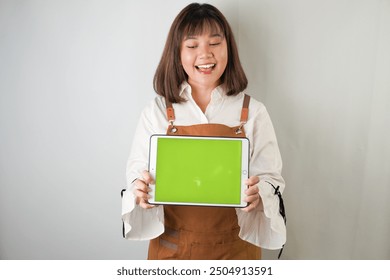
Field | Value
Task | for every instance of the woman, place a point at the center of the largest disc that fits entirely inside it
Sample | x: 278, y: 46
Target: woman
x: 200, y: 85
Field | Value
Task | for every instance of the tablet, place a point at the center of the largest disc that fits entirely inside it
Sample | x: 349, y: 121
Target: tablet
x: 197, y: 170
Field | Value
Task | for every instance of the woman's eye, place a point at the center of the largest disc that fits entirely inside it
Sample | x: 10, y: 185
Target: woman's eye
x: 191, y: 47
x: 215, y: 44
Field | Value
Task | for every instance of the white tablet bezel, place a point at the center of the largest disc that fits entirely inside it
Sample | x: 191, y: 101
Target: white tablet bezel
x: 244, y: 169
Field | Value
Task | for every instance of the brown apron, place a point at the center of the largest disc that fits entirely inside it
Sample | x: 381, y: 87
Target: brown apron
x: 193, y: 232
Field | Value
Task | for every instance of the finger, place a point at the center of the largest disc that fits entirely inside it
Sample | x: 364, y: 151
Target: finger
x: 252, y: 190
x: 141, y: 185
x: 251, y: 206
x: 252, y: 198
x: 253, y: 180
x: 141, y: 194
x: 146, y: 177
x: 144, y: 204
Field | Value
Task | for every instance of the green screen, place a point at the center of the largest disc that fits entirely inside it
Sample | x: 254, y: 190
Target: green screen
x: 198, y: 171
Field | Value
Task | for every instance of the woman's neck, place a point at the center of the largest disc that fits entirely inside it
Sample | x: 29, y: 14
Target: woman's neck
x: 202, y: 95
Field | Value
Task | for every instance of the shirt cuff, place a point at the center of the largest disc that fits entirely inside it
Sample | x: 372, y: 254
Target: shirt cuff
x: 140, y: 223
x: 264, y: 226
x: 270, y: 200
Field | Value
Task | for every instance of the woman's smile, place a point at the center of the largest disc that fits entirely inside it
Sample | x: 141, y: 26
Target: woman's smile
x: 205, y: 68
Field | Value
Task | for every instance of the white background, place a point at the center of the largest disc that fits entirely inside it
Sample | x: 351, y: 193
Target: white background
x: 75, y: 75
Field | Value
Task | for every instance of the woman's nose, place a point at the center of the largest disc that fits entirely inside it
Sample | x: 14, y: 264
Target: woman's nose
x: 205, y: 52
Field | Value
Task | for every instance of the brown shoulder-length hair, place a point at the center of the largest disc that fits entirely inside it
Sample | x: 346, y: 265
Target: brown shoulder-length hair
x: 194, y: 20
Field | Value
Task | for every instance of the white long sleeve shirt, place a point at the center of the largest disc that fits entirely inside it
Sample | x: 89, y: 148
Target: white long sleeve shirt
x: 264, y: 226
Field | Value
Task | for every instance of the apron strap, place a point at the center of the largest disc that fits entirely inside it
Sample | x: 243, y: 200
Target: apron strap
x: 244, y: 111
x: 170, y: 111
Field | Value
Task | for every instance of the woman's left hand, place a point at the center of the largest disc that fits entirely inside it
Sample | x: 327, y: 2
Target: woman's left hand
x: 252, y: 192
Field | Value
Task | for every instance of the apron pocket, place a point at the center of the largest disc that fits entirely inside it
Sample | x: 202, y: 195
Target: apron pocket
x: 168, y: 247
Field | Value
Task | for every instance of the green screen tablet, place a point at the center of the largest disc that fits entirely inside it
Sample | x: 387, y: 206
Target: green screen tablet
x: 196, y: 170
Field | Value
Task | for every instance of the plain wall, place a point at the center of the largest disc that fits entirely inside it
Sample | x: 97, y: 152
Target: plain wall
x: 75, y: 75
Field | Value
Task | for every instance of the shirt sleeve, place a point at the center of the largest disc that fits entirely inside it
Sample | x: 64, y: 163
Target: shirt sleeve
x: 264, y: 226
x: 139, y: 223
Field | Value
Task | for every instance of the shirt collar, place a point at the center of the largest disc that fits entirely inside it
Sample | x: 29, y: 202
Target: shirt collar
x: 184, y: 87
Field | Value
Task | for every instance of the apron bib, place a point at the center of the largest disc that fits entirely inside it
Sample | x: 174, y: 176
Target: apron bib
x: 201, y: 232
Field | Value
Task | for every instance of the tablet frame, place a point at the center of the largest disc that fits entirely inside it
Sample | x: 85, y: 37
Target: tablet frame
x: 244, y: 173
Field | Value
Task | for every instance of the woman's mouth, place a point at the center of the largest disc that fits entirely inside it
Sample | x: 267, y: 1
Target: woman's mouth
x: 205, y: 68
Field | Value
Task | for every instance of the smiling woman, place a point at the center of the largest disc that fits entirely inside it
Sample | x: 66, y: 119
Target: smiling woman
x: 201, y: 83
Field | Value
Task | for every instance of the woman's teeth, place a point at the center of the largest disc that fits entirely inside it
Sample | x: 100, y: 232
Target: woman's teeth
x: 205, y: 66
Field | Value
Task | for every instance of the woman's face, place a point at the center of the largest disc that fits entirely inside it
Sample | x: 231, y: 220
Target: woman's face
x: 204, y: 59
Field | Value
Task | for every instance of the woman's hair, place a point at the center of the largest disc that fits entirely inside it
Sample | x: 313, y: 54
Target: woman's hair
x: 195, y: 19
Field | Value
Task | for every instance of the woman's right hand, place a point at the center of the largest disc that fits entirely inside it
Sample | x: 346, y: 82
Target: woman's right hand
x: 141, y: 190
